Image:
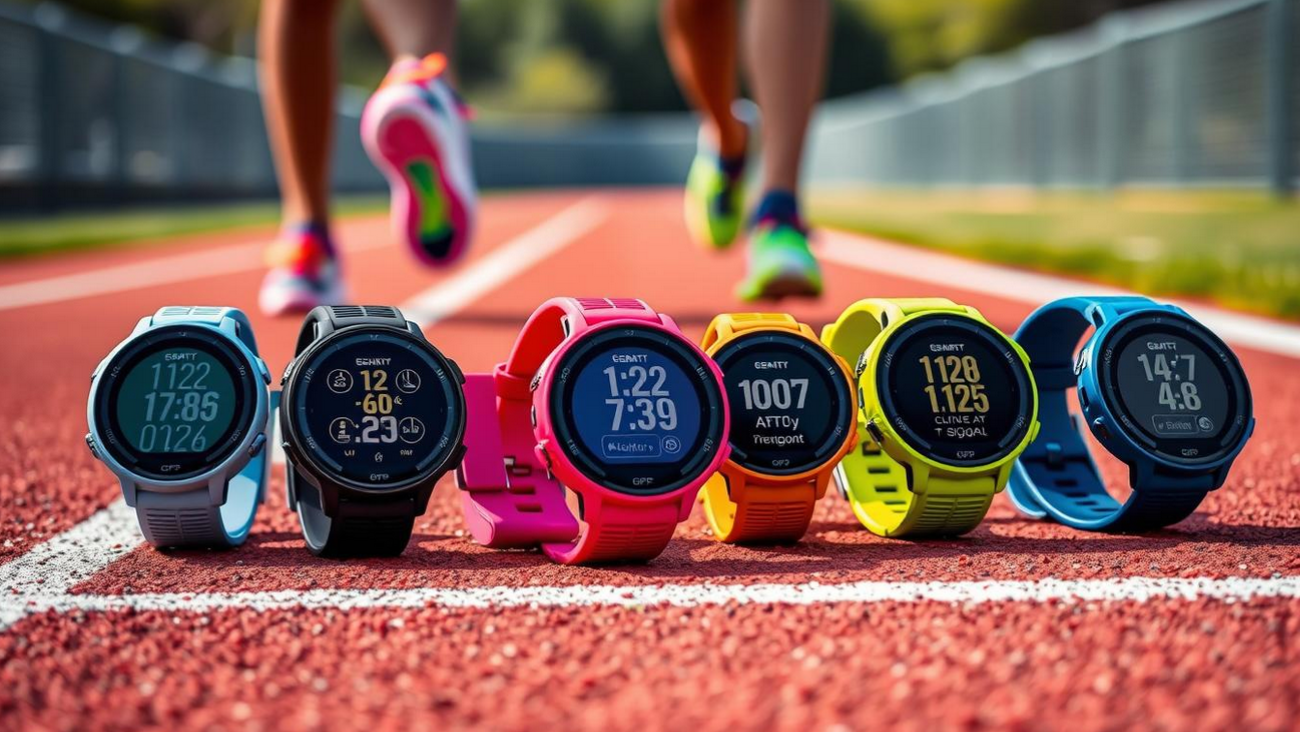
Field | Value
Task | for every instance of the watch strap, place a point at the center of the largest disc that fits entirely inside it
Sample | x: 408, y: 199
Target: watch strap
x: 765, y: 513
x: 742, y: 508
x: 1056, y: 475
x: 379, y: 528
x: 887, y: 498
x: 189, y: 519
x: 510, y: 498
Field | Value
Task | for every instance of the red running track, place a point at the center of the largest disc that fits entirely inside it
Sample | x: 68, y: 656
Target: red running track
x: 118, y: 662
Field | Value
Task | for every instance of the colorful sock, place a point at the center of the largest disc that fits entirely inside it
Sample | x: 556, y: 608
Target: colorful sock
x: 319, y: 230
x: 733, y: 167
x: 778, y: 206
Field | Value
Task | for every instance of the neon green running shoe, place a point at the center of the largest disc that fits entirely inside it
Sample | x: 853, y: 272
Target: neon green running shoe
x: 715, y: 200
x: 780, y: 264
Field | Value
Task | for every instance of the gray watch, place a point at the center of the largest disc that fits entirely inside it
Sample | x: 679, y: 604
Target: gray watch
x: 179, y: 413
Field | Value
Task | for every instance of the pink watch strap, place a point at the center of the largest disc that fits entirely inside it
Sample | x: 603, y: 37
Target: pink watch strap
x: 509, y: 499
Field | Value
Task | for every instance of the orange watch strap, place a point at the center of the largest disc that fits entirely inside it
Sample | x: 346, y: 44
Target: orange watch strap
x: 765, y: 513
x: 759, y: 511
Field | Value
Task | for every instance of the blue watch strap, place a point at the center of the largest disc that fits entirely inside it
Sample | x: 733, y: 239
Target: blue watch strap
x: 1056, y: 475
x: 189, y: 519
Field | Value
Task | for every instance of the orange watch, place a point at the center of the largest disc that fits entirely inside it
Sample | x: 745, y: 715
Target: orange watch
x: 793, y: 418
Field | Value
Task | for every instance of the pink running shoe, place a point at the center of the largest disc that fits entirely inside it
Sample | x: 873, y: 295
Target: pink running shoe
x: 415, y: 130
x: 303, y: 275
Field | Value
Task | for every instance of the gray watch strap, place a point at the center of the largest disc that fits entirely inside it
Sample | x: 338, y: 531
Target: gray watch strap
x: 190, y: 519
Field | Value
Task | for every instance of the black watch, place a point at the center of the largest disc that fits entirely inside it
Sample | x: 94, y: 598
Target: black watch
x: 372, y: 416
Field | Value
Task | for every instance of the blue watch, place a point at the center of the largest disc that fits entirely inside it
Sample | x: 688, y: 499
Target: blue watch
x: 179, y: 412
x: 1157, y: 389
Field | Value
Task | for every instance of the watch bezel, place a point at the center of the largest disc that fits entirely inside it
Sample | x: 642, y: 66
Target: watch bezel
x: 1001, y: 344
x: 694, y: 364
x: 845, y: 415
x: 1111, y: 342
x: 246, y: 378
x: 298, y: 435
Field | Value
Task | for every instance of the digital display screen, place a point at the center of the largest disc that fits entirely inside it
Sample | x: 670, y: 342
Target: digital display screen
x: 175, y: 400
x: 376, y: 408
x: 791, y: 404
x: 1183, y: 391
x: 175, y: 403
x: 636, y: 410
x: 957, y: 389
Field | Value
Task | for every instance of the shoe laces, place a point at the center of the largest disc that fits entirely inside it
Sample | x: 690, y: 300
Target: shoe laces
x: 423, y: 73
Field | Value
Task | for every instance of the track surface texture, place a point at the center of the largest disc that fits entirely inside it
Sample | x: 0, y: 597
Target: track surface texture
x: 1021, y: 625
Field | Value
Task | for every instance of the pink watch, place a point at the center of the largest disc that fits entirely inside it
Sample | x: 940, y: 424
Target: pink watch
x: 604, y: 398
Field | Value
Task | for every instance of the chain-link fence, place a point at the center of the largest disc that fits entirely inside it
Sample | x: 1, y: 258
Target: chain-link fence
x: 1189, y: 94
x: 1186, y: 94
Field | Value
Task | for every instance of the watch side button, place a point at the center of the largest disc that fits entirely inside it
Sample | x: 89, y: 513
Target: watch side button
x: 259, y: 443
x: 1100, y: 429
x: 875, y: 432
x: 90, y: 444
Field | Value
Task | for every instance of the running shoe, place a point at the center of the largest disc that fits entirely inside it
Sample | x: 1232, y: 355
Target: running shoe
x: 780, y: 264
x: 416, y: 132
x: 715, y: 197
x: 303, y: 275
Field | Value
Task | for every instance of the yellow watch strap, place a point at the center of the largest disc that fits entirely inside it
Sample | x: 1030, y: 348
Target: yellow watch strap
x: 884, y: 495
x: 769, y: 513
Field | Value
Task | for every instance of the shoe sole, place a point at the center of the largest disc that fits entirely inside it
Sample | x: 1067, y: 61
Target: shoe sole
x: 791, y: 285
x: 405, y: 148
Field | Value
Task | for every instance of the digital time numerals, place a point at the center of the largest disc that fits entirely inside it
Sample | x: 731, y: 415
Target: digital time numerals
x: 953, y: 385
x: 180, y: 403
x: 639, y: 393
x: 377, y: 424
x: 1176, y: 375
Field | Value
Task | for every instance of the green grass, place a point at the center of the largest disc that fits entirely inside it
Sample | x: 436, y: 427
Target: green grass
x: 32, y: 236
x: 1237, y: 249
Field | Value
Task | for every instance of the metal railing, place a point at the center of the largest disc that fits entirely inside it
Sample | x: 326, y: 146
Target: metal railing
x: 1186, y: 94
x: 1198, y: 94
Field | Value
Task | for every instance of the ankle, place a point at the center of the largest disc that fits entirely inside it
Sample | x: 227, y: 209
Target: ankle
x: 778, y: 206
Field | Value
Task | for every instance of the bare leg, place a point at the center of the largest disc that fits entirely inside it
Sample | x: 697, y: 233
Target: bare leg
x: 785, y: 53
x: 700, y: 37
x: 296, y: 46
x: 413, y: 29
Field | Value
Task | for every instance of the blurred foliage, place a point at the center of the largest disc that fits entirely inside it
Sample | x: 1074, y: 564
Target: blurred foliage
x: 580, y: 56
x: 932, y: 35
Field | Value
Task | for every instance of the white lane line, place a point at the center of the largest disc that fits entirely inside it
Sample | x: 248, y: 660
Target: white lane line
x: 947, y: 272
x: 41, y: 578
x: 52, y: 568
x: 506, y: 262
x: 149, y: 273
x: 1129, y: 589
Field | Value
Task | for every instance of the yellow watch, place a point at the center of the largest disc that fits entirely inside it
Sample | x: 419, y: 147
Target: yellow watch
x: 946, y: 404
x: 793, y: 417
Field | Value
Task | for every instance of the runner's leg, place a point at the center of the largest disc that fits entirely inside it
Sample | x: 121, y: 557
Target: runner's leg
x: 700, y: 38
x: 415, y: 130
x: 296, y: 46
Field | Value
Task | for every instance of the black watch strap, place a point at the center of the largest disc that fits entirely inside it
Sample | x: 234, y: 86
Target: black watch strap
x: 381, y: 528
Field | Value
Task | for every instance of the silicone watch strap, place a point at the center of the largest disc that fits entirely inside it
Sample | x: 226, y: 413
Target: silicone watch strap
x: 189, y: 519
x: 1056, y: 475
x: 378, y: 528
x: 510, y: 498
x: 761, y: 511
x: 884, y: 495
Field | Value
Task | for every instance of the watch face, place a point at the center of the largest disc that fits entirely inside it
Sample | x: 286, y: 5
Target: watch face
x: 956, y: 390
x: 376, y: 408
x: 637, y: 410
x: 791, y: 404
x: 176, y: 402
x: 1177, y: 386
